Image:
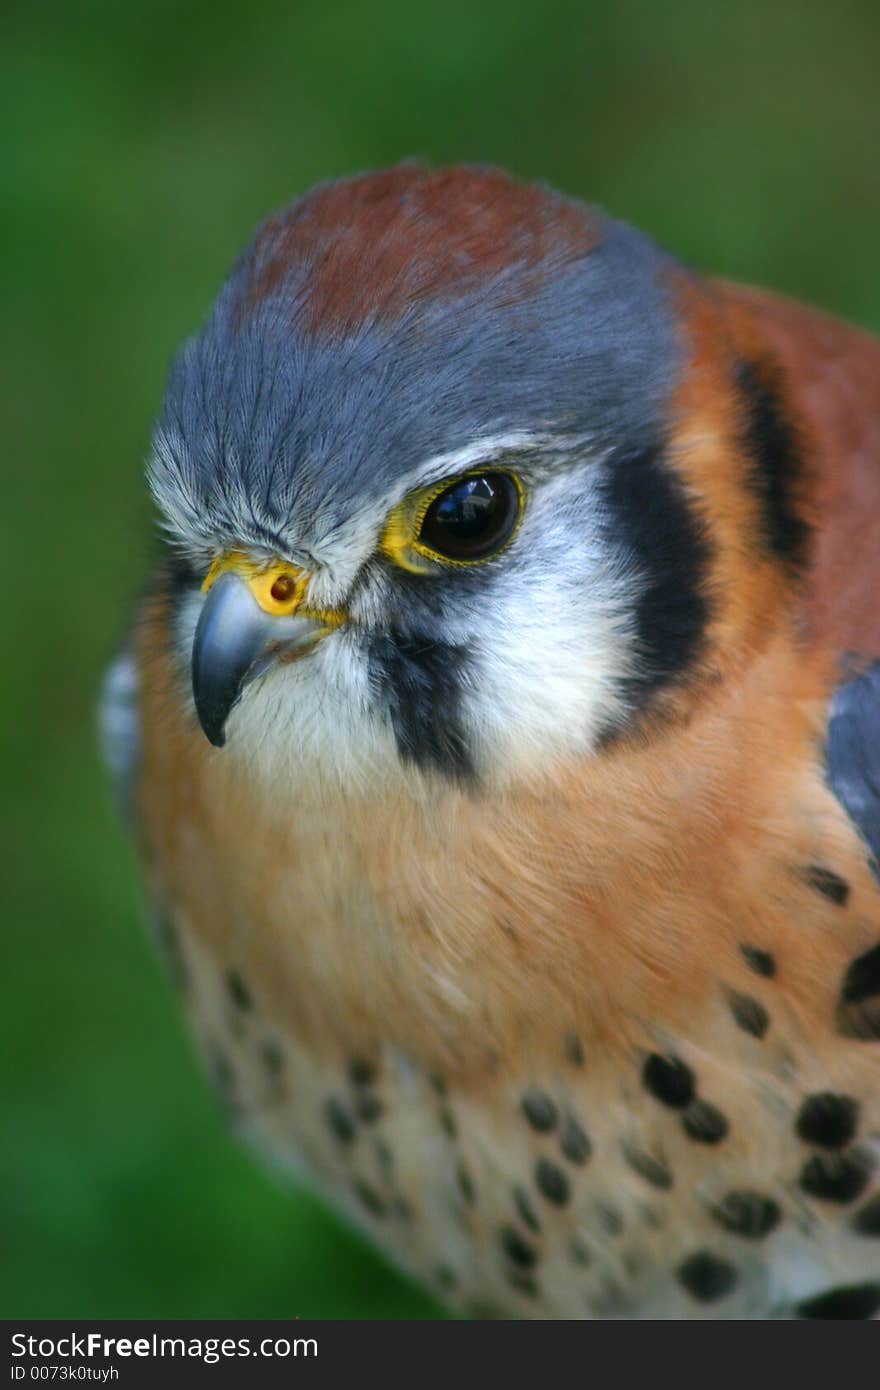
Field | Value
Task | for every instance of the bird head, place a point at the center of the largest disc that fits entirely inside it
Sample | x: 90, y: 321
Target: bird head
x: 424, y: 469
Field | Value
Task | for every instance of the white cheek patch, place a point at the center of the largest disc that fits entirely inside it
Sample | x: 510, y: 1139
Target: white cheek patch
x: 554, y: 648
x: 540, y: 695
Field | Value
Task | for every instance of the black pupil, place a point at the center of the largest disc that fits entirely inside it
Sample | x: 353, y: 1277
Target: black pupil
x: 473, y: 518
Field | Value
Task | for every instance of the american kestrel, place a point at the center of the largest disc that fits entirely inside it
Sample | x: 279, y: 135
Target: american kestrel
x: 501, y: 739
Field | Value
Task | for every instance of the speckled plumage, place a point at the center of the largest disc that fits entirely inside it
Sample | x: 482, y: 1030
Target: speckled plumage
x: 594, y: 1028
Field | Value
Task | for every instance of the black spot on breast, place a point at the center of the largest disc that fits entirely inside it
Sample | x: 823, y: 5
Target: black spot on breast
x: 438, y: 1084
x: 858, y: 1013
x: 610, y: 1218
x: 449, y: 1122
x: 862, y: 978
x: 761, y: 962
x: 829, y: 884
x: 574, y: 1049
x: 523, y: 1282
x: 649, y: 512
x: 704, y: 1123
x: 706, y: 1277
x: 551, y: 1182
x: 652, y: 1218
x: 827, y: 1119
x: 368, y: 1107
x: 748, y: 1214
x: 849, y: 1301
x: 361, y: 1071
x: 669, y: 1080
x: 775, y: 462
x: 517, y: 1249
x: 368, y: 1198
x: 866, y: 1221
x: 540, y: 1110
x: 445, y: 1278
x: 573, y: 1141
x: 748, y: 1013
x: 653, y: 1170
x: 839, y: 1178
x: 272, y: 1057
x: 419, y: 682
x: 578, y: 1253
x: 465, y: 1184
x: 525, y: 1210
x: 238, y: 991
x: 610, y: 1301
x: 340, y: 1122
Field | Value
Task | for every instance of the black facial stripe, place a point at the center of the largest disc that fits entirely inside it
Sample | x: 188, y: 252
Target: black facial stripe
x: 418, y: 682
x: 776, y: 463
x: 648, y: 512
x: 179, y: 580
x: 180, y: 576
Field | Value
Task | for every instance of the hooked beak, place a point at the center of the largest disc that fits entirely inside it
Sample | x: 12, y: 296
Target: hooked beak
x: 237, y: 639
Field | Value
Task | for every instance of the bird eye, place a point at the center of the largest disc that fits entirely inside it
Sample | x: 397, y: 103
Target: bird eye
x: 473, y: 518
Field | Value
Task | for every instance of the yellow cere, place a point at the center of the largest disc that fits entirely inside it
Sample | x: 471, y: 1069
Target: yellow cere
x: 278, y: 587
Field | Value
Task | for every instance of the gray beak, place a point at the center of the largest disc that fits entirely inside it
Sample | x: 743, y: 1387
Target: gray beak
x: 235, y: 642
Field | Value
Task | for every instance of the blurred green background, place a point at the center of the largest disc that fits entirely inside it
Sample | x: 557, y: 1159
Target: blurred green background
x: 141, y: 143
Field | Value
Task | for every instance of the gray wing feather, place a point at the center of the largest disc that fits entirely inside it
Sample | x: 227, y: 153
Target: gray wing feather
x: 854, y: 755
x: 119, y: 728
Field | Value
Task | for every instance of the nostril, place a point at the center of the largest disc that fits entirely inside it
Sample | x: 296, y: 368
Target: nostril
x: 283, y: 588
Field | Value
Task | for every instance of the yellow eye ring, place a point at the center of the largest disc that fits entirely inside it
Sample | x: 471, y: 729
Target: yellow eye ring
x: 477, y: 501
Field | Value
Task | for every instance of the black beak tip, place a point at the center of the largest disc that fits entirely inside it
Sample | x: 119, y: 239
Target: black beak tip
x: 211, y: 714
x: 214, y: 731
